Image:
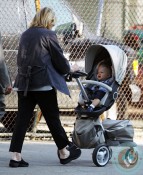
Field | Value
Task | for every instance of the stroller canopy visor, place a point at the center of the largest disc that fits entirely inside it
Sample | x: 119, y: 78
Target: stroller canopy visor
x: 117, y: 56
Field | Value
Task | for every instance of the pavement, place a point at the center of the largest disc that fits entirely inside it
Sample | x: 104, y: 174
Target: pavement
x: 43, y: 160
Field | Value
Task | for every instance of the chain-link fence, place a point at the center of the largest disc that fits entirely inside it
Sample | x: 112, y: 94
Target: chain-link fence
x: 79, y: 25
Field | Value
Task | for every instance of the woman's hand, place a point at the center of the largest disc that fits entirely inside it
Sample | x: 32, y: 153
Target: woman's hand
x: 74, y: 67
x: 8, y: 90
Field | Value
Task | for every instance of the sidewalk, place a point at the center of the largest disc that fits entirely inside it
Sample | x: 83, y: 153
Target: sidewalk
x: 43, y: 161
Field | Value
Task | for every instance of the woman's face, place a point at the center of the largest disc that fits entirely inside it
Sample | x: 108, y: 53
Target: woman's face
x: 103, y: 73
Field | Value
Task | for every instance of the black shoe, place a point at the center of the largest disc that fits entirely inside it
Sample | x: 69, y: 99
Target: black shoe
x: 74, y: 154
x: 15, y: 164
x: 71, y: 145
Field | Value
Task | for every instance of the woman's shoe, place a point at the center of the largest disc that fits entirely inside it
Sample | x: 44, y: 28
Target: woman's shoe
x: 74, y: 154
x: 15, y: 164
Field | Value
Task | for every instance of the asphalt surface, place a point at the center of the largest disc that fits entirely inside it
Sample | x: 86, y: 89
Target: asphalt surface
x: 43, y: 160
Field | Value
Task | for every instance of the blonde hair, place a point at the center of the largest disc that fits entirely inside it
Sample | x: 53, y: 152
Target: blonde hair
x: 44, y: 18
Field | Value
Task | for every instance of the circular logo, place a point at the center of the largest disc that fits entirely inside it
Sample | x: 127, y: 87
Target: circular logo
x: 128, y: 159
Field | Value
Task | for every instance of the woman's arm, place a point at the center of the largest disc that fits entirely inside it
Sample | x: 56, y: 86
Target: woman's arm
x: 60, y: 63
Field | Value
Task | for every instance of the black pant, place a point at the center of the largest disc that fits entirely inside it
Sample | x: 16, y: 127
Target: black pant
x: 47, y: 101
x: 2, y: 105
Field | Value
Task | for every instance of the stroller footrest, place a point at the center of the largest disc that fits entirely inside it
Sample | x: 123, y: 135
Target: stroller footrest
x: 112, y: 142
x: 81, y: 111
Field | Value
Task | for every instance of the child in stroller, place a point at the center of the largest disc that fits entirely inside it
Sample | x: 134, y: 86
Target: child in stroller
x: 89, y: 131
x: 104, y: 75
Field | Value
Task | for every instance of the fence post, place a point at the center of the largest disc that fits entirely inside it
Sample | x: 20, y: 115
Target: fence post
x: 38, y: 114
x: 99, y: 18
x: 37, y: 5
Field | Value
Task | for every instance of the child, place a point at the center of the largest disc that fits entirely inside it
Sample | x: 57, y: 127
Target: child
x: 104, y: 75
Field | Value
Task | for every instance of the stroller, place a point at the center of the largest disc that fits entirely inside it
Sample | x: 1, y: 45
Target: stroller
x: 89, y: 131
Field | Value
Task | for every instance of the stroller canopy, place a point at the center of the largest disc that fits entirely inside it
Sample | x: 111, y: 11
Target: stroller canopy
x: 117, y: 56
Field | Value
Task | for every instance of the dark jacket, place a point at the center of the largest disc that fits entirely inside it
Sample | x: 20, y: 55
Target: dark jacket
x: 4, y: 74
x: 46, y: 69
x: 4, y: 80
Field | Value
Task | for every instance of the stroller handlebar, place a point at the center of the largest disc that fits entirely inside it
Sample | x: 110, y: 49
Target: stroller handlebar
x: 78, y: 74
x: 75, y: 74
x: 97, y: 83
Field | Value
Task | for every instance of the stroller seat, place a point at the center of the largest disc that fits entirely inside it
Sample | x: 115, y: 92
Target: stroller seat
x: 105, y: 103
x: 117, y: 59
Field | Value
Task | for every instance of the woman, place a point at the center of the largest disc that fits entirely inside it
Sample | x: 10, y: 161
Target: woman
x: 41, y: 69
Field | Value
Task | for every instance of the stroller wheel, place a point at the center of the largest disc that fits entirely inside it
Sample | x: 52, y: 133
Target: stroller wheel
x: 131, y: 156
x: 101, y: 155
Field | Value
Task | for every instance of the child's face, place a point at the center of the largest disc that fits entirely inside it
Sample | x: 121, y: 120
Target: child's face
x: 103, y: 73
